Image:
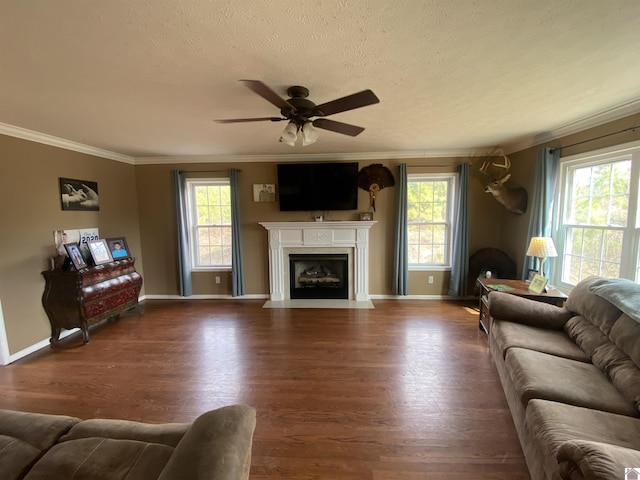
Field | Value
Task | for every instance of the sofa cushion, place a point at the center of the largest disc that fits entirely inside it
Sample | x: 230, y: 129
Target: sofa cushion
x: 551, y: 424
x: 166, y: 434
x: 25, y: 436
x: 585, y: 334
x: 97, y: 458
x: 585, y: 460
x: 554, y: 342
x: 621, y: 371
x: 16, y: 457
x: 548, y: 377
x: 594, y: 308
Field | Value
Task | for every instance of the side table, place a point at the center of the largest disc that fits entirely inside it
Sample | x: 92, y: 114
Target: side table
x: 513, y: 287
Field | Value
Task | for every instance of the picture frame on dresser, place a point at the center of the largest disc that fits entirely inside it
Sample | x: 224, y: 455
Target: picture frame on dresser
x: 118, y: 248
x: 100, y: 251
x: 73, y: 251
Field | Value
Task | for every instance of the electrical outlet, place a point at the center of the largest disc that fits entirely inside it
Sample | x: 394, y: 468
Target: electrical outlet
x: 430, y: 278
x: 217, y: 279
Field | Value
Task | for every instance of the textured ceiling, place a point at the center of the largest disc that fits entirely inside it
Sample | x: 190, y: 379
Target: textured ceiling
x: 147, y: 78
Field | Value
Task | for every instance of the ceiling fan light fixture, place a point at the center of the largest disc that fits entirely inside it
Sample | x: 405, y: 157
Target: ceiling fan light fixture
x: 289, y: 134
x: 309, y: 134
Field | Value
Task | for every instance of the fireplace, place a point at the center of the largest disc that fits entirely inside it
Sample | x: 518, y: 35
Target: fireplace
x: 313, y: 275
x: 335, y: 237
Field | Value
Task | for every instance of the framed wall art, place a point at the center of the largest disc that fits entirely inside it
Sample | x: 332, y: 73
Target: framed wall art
x: 264, y: 192
x: 118, y: 247
x: 79, y: 194
x: 100, y: 251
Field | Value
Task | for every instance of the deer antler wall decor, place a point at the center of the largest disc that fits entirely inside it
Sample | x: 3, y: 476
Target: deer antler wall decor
x: 513, y: 199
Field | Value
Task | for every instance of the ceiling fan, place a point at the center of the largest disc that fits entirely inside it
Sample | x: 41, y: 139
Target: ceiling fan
x: 298, y: 111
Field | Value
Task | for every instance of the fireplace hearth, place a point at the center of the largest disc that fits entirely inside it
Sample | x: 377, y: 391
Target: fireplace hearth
x: 314, y: 275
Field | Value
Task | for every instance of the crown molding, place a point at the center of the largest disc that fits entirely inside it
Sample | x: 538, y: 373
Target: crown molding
x: 25, y: 134
x: 523, y: 143
x: 319, y: 157
x: 610, y: 115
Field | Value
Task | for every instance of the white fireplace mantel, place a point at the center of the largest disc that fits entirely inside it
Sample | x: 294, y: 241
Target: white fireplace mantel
x: 316, y: 236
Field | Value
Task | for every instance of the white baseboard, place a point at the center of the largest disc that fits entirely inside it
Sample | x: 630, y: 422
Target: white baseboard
x: 207, y: 297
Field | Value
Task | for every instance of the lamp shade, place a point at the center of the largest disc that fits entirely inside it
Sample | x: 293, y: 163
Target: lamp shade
x: 542, y: 247
x: 289, y: 134
x: 309, y: 134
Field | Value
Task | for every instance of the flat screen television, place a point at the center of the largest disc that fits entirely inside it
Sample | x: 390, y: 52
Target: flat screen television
x: 318, y: 186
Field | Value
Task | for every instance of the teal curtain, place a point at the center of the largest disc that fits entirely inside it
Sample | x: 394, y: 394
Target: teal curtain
x: 237, y: 267
x: 401, y: 259
x: 460, y: 258
x: 182, y: 230
x: 540, y: 222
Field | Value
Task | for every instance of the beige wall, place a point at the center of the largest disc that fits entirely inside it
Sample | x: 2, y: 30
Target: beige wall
x: 514, y: 229
x: 31, y: 211
x: 136, y: 202
x: 154, y: 187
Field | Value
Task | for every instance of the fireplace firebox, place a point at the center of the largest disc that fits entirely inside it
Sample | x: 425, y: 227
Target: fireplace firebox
x: 319, y: 275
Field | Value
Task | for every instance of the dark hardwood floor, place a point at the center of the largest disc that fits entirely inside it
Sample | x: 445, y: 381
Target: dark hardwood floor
x: 405, y: 391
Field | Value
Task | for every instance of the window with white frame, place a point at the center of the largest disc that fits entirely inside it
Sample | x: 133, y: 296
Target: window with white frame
x: 209, y: 215
x: 430, y: 220
x: 598, y: 228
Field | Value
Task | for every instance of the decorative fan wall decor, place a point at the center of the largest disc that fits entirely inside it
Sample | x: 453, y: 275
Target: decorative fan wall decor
x: 298, y: 111
x: 374, y: 178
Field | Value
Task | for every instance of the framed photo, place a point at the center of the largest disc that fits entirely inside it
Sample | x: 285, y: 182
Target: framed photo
x: 79, y: 194
x: 538, y: 283
x: 531, y: 274
x: 118, y: 248
x: 73, y: 251
x: 366, y: 215
x: 100, y: 251
x: 264, y: 192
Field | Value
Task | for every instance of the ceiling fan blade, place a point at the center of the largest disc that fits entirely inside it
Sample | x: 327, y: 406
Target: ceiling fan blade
x: 350, y: 102
x: 337, y: 127
x: 266, y: 93
x: 244, y: 120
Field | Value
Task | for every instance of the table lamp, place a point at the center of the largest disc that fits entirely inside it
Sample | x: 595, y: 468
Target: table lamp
x: 542, y: 247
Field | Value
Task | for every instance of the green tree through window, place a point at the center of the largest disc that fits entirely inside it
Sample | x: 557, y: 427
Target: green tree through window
x: 429, y: 219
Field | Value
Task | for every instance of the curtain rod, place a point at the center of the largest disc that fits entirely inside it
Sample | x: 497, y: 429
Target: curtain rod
x: 437, y: 165
x: 207, y: 171
x: 632, y: 129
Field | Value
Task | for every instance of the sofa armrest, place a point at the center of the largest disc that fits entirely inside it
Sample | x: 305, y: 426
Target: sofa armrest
x: 585, y: 460
x: 217, y: 446
x: 505, y: 306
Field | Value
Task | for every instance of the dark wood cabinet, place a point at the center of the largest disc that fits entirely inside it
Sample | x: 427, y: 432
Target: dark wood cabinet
x: 78, y: 299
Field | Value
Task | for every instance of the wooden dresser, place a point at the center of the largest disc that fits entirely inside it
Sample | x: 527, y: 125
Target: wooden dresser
x: 77, y: 299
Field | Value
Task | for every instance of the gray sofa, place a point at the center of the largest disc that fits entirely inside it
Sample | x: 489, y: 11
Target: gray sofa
x: 217, y: 445
x: 571, y: 377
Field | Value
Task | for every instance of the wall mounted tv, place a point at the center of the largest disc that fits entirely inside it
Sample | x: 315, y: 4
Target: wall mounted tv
x: 318, y: 186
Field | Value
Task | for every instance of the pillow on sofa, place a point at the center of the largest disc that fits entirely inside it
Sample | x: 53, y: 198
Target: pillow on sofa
x: 597, y: 310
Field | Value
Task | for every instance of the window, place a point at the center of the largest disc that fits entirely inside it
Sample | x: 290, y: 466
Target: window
x: 209, y: 216
x: 430, y: 220
x: 598, y: 230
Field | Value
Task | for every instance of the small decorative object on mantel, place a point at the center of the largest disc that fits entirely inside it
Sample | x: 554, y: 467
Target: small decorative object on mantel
x: 79, y: 194
x: 264, y: 192
x: 374, y: 178
x: 366, y: 216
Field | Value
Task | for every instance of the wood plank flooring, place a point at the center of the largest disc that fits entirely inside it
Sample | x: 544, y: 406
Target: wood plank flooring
x: 405, y: 391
